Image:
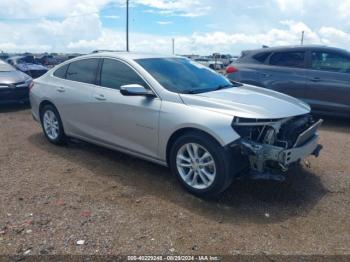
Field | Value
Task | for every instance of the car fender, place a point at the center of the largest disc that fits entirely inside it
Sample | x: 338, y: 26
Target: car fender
x: 175, y: 117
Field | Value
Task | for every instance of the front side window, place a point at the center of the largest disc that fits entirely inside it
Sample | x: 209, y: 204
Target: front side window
x: 182, y: 75
x: 115, y: 74
x: 83, y: 70
x: 289, y: 59
x: 61, y: 72
x: 330, y: 62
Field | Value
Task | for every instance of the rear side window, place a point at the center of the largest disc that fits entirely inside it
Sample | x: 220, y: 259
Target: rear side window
x: 330, y: 62
x: 83, y: 71
x: 61, y: 72
x: 261, y: 57
x: 115, y: 74
x: 290, y: 59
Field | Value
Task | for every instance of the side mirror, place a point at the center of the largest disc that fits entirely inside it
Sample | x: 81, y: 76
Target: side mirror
x: 135, y: 90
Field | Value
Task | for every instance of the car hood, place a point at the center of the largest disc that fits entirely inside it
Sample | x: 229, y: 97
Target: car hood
x: 249, y: 102
x: 12, y: 77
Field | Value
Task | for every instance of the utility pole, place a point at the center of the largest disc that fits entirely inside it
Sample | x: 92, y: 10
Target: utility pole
x: 173, y: 42
x: 302, y: 38
x: 127, y: 25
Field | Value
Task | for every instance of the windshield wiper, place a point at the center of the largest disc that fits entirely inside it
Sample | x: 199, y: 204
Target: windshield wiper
x: 223, y: 87
x: 195, y: 91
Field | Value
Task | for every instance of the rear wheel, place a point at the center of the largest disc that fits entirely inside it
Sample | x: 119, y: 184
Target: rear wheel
x: 201, y: 164
x: 52, y: 125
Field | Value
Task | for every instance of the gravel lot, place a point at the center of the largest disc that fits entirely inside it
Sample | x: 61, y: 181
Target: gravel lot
x: 52, y: 197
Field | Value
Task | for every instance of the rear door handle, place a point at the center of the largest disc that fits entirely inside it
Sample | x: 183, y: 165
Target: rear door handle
x: 315, y: 79
x: 100, y: 97
x: 266, y: 75
x: 61, y: 89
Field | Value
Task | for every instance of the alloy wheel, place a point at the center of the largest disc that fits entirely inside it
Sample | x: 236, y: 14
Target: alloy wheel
x: 51, y: 124
x: 196, y: 166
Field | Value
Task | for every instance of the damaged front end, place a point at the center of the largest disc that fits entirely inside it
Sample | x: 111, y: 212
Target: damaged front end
x: 274, y: 144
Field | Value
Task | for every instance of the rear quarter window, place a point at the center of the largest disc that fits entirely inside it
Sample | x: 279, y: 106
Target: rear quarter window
x: 61, y: 72
x: 261, y: 57
x: 83, y: 70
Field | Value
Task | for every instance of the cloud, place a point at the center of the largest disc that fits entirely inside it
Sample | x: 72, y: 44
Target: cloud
x: 164, y: 22
x: 111, y: 16
x: 76, y: 26
x: 344, y: 9
x: 188, y: 8
x: 86, y: 34
x: 291, y: 5
x: 218, y: 41
x: 49, y: 35
x: 38, y: 8
x: 334, y: 37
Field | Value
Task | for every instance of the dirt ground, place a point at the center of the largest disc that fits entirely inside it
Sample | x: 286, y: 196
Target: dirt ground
x: 52, y: 197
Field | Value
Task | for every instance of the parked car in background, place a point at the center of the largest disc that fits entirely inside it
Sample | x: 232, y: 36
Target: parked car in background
x: 224, y: 59
x: 27, y: 65
x: 216, y: 65
x: 174, y: 112
x: 46, y: 60
x: 14, y: 85
x: 4, y: 56
x: 318, y: 75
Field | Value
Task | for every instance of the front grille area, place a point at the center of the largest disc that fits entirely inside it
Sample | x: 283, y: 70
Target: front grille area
x: 19, y: 83
x: 290, y: 131
x: 13, y: 93
x: 273, y: 145
x: 277, y: 132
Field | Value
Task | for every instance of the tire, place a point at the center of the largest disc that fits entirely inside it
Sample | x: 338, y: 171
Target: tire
x: 52, y: 125
x: 220, y: 174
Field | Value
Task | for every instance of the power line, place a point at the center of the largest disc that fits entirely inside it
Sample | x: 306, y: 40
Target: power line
x: 127, y: 25
x: 302, y: 38
x: 173, y: 42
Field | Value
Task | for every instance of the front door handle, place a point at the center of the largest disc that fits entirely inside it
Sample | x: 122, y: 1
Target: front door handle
x: 315, y: 79
x: 100, y: 97
x: 61, y: 89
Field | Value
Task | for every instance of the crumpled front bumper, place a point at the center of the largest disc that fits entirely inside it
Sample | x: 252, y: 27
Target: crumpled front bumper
x: 261, y: 155
x: 298, y: 153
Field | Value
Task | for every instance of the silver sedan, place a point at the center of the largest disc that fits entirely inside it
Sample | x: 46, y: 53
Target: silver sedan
x: 177, y: 113
x: 14, y: 85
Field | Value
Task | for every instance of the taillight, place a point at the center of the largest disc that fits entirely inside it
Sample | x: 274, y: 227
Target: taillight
x: 231, y: 69
x: 31, y: 85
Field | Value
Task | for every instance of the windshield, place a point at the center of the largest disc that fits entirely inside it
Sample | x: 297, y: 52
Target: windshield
x: 182, y: 75
x: 28, y: 59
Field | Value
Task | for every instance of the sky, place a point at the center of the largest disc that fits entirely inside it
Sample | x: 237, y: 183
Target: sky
x: 198, y: 26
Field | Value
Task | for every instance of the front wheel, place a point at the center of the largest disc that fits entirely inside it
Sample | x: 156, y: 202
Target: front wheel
x: 52, y: 125
x: 201, y: 164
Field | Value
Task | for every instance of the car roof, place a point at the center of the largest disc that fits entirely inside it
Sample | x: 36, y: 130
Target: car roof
x: 4, y: 66
x: 127, y: 55
x: 296, y: 47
